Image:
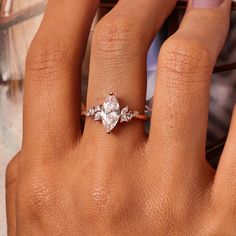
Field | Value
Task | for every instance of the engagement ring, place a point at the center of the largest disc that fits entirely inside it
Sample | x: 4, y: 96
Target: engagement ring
x: 111, y: 114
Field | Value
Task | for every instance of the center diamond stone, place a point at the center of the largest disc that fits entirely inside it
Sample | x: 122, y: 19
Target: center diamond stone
x: 110, y: 113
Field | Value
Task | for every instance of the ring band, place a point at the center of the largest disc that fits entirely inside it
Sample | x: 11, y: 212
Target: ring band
x: 110, y: 113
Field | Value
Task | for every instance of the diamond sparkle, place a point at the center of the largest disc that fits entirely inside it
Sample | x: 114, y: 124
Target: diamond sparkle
x: 110, y: 113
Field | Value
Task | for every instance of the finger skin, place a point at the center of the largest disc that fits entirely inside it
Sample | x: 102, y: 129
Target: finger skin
x: 118, y: 64
x: 225, y: 179
x: 180, y: 109
x: 53, y: 68
x: 11, y: 181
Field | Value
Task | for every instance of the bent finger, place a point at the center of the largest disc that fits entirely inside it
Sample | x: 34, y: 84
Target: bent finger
x: 186, y: 62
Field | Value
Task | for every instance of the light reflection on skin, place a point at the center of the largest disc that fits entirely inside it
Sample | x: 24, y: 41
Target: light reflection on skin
x: 6, y: 8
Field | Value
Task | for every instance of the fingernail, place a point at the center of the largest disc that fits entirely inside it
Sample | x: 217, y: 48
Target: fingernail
x: 206, y: 3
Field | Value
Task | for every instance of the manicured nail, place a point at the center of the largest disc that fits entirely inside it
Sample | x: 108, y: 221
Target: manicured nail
x: 206, y: 3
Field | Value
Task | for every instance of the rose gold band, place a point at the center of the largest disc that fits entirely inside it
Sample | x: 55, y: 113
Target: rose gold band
x: 139, y: 117
x: 142, y: 117
x: 111, y: 113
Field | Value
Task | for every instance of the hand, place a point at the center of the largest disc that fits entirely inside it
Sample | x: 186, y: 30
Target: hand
x: 63, y: 182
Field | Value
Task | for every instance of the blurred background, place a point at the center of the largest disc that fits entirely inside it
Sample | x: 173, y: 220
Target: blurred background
x: 19, y: 21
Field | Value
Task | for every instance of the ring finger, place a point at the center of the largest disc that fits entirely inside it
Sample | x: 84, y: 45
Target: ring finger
x: 118, y: 64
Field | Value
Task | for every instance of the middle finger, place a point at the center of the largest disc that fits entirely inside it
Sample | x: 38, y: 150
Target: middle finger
x: 186, y: 62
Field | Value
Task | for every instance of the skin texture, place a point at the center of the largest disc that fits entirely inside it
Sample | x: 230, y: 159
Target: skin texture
x: 65, y: 182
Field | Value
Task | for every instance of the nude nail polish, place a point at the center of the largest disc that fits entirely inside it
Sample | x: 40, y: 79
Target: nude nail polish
x: 206, y: 3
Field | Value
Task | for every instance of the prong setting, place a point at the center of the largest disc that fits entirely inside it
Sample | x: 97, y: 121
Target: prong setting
x: 110, y: 113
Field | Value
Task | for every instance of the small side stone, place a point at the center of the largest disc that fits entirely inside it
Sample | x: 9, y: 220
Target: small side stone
x: 127, y: 116
x: 98, y: 116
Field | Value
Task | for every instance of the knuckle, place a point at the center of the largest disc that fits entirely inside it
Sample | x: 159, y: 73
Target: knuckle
x: 48, y: 58
x: 113, y: 37
x: 101, y: 204
x: 105, y: 203
x: 38, y: 199
x: 185, y: 62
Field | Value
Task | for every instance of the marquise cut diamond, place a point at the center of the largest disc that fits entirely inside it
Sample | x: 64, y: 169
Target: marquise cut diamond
x: 110, y: 113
